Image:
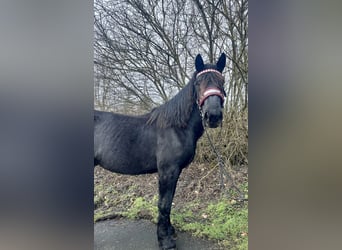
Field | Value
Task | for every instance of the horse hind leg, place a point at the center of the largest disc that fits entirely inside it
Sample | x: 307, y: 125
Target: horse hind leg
x: 168, y: 178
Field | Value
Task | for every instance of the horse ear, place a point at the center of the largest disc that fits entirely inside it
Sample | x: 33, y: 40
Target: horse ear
x: 221, y: 63
x: 199, y: 63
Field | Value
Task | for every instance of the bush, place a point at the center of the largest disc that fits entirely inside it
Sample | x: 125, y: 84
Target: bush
x: 231, y: 140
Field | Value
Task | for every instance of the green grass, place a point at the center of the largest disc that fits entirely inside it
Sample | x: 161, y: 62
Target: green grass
x: 220, y: 221
x: 223, y: 221
x: 143, y: 209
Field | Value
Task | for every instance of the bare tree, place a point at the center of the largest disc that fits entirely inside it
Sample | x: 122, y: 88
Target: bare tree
x: 144, y: 50
x: 235, y: 14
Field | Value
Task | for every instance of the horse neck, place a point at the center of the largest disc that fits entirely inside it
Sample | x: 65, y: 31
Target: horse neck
x: 195, y: 123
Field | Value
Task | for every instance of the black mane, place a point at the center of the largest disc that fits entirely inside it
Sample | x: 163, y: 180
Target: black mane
x: 176, y: 112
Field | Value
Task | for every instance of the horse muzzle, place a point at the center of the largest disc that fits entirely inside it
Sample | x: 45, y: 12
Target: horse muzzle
x: 213, y: 120
x: 212, y: 112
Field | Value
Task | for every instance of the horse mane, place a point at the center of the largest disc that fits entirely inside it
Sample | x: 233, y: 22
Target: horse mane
x: 177, y: 111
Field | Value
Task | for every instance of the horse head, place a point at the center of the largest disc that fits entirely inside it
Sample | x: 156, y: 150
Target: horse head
x: 209, y: 84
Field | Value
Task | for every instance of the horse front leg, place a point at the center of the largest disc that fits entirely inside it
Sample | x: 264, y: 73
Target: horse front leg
x: 167, y: 185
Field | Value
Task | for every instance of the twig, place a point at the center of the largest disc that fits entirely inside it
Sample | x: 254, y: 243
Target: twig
x: 223, y: 170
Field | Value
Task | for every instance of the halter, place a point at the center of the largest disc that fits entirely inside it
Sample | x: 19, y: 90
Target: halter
x: 209, y: 91
x: 208, y: 70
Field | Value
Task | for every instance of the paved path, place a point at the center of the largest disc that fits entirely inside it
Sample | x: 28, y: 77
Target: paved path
x: 139, y: 235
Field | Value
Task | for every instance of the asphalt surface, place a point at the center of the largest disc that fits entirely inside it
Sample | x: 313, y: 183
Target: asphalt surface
x: 132, y: 235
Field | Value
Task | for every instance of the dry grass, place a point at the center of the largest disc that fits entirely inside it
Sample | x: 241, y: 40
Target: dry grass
x: 231, y: 143
x: 231, y: 140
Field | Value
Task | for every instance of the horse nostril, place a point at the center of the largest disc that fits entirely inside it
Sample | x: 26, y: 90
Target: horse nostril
x: 214, y: 118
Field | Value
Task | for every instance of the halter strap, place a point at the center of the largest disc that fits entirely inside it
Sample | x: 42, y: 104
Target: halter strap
x: 210, y: 92
x: 208, y: 70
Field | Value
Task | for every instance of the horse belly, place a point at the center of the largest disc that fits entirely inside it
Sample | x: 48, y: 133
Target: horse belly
x: 145, y: 158
x: 128, y: 158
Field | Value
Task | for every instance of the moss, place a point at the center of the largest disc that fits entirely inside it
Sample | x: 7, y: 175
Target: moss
x: 143, y: 209
x: 220, y: 221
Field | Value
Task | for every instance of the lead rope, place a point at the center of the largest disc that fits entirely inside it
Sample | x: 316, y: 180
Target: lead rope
x: 223, y: 170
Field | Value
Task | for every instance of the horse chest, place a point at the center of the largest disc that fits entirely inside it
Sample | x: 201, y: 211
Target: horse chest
x: 176, y: 147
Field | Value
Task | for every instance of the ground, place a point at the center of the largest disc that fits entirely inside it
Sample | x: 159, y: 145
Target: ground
x: 123, y: 234
x: 200, y: 205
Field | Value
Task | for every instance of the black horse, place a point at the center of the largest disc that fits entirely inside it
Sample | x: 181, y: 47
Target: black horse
x: 163, y: 140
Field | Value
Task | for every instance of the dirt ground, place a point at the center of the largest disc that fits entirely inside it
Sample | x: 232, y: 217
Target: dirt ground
x: 198, y: 182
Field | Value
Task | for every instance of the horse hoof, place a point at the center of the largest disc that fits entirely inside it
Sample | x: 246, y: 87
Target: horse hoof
x: 167, y: 244
x: 163, y: 248
x: 174, y: 236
